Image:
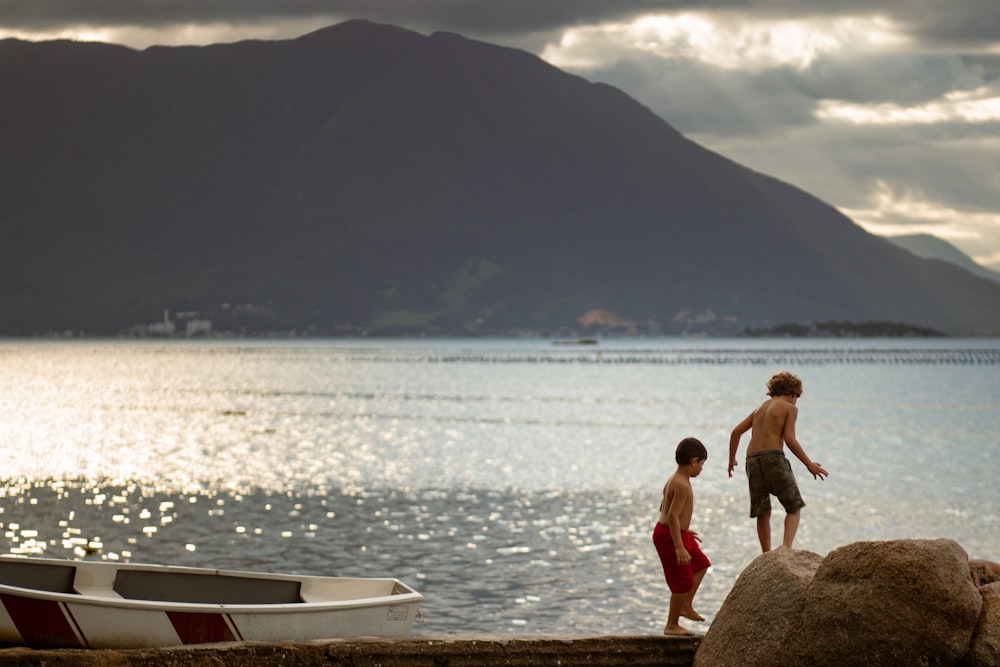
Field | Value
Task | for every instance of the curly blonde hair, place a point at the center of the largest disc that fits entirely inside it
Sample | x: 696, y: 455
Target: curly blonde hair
x: 784, y: 384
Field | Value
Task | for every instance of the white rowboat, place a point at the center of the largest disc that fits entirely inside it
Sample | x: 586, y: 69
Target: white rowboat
x: 53, y: 603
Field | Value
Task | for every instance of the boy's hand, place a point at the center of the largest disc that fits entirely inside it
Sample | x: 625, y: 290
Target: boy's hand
x: 817, y: 470
x: 732, y: 464
x: 683, y: 557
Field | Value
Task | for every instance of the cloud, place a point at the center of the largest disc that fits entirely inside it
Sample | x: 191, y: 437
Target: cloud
x: 901, y: 136
x: 963, y: 25
x: 477, y: 16
x: 726, y: 41
x: 893, y: 212
x: 966, y: 22
x: 977, y: 106
x: 858, y: 59
x: 140, y: 36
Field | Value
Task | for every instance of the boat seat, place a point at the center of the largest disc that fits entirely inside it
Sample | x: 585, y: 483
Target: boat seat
x: 204, y: 588
x: 39, y: 576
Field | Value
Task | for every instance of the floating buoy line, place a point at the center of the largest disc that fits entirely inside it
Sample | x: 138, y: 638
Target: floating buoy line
x: 798, y: 357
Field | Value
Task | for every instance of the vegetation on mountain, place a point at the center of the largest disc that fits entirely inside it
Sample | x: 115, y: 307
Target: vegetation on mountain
x: 845, y: 330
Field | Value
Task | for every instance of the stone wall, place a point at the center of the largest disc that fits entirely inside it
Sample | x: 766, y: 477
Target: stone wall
x: 432, y: 651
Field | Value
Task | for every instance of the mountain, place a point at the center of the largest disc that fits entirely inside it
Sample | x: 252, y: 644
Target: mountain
x: 926, y: 245
x: 369, y: 179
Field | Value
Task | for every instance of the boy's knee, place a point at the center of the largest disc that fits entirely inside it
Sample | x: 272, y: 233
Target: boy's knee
x: 793, y: 506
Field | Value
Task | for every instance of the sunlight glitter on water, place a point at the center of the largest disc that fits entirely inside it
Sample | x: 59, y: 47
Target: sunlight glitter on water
x: 514, y: 486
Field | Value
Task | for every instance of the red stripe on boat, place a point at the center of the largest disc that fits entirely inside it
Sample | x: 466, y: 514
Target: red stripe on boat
x: 41, y: 623
x: 199, y: 628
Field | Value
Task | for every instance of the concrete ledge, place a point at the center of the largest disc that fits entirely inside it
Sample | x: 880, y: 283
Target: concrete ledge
x: 432, y: 651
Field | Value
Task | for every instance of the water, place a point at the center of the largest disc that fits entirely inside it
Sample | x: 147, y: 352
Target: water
x: 513, y: 482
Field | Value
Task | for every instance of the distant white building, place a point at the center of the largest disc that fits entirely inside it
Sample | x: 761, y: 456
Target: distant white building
x: 199, y: 327
x: 164, y: 328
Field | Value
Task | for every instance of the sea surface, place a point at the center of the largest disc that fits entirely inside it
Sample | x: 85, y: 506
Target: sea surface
x: 514, y: 483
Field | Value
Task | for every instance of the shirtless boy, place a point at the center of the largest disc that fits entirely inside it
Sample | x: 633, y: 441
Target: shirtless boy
x: 768, y: 471
x: 683, y: 562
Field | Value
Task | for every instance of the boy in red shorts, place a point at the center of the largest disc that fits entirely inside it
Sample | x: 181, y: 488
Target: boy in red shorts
x: 684, y: 564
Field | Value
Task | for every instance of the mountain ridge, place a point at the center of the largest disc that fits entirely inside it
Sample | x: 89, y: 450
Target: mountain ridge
x: 367, y: 179
x: 930, y: 246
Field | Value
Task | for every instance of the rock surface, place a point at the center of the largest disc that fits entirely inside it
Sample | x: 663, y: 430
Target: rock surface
x: 985, y: 648
x: 984, y: 571
x: 898, y: 602
x: 901, y: 602
x: 761, y: 609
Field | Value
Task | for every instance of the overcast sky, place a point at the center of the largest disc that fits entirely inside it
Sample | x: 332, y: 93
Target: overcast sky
x: 886, y: 109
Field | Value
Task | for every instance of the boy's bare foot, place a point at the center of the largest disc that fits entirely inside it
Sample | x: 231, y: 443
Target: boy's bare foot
x: 692, y: 615
x: 677, y: 630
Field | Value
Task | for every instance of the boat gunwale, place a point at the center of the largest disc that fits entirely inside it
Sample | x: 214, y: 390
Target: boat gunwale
x: 406, y: 596
x: 312, y: 606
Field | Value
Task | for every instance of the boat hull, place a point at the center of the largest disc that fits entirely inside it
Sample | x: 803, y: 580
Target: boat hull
x: 327, y: 607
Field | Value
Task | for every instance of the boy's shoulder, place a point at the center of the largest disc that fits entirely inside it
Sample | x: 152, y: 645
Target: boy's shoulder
x: 766, y: 404
x: 777, y: 403
x: 678, y: 478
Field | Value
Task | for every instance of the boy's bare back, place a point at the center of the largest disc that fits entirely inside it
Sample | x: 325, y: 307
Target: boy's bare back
x: 769, y: 424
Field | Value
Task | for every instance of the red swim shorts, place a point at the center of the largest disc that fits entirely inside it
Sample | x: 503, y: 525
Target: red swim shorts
x: 680, y: 578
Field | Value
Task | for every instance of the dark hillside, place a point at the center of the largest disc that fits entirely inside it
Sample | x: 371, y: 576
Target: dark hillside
x: 365, y: 178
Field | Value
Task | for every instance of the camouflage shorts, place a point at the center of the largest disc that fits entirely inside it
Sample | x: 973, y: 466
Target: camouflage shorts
x: 769, y: 473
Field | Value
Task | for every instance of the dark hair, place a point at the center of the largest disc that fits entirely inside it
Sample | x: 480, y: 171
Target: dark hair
x: 690, y: 448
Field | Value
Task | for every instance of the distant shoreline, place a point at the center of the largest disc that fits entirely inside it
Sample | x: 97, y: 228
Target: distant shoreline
x: 832, y: 329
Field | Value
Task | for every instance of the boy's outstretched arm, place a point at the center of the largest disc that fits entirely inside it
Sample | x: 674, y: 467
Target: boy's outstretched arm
x: 788, y: 434
x: 734, y: 440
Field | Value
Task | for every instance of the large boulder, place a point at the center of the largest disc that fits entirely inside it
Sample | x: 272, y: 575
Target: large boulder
x: 985, y: 648
x: 900, y: 602
x: 759, y: 612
